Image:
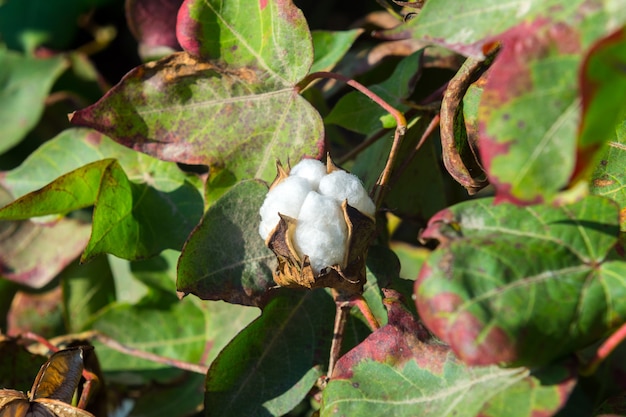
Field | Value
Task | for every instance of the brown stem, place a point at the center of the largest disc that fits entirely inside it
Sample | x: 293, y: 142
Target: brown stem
x: 381, y: 184
x: 115, y: 345
x: 342, y: 312
x: 604, y: 351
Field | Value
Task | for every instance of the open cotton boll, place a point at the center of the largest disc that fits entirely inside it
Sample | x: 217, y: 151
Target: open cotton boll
x: 344, y: 186
x: 310, y: 169
x: 321, y: 231
x: 285, y: 198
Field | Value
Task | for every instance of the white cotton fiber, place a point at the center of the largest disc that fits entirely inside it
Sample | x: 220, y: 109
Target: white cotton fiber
x: 310, y: 169
x: 321, y: 231
x: 285, y: 198
x: 342, y: 185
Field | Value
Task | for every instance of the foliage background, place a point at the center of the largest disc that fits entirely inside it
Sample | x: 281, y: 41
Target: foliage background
x: 182, y: 116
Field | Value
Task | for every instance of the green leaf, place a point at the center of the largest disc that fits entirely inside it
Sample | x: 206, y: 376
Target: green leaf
x: 484, y: 290
x: 76, y: 147
x: 86, y: 290
x: 411, y: 258
x: 359, y: 113
x: 603, y: 84
x: 398, y: 371
x: 189, y: 330
x: 225, y: 258
x: 24, y: 84
x: 272, y: 364
x: 270, y: 36
x: 129, y: 220
x: 610, y: 175
x: 26, y: 25
x: 330, y: 47
x: 185, y: 110
x: 214, y: 323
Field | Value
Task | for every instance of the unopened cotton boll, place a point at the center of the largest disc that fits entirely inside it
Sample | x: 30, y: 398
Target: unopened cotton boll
x: 310, y: 169
x: 285, y: 198
x: 344, y: 186
x: 321, y: 231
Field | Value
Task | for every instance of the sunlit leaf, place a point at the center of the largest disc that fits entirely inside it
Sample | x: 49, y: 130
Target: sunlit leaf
x: 129, y: 220
x: 485, y: 290
x: 399, y: 371
x: 209, y: 105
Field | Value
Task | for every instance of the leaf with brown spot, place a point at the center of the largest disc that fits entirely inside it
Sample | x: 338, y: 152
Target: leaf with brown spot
x: 210, y: 104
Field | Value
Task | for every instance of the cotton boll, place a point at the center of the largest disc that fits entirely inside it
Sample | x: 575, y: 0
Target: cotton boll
x: 285, y: 198
x: 310, y: 169
x: 321, y: 231
x: 342, y: 185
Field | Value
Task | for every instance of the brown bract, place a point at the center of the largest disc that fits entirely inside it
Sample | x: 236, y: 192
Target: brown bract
x: 294, y: 271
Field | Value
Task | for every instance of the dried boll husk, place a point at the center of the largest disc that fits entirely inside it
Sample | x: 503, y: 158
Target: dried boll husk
x: 293, y: 271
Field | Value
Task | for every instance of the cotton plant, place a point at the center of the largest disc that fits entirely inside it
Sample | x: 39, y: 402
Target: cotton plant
x: 318, y: 220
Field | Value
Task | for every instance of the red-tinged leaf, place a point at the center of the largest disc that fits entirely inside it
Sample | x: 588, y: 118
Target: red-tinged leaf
x: 399, y: 371
x: 153, y: 23
x: 470, y: 27
x: 225, y: 258
x: 484, y: 290
x: 603, y: 87
x: 32, y: 254
x: 185, y: 110
x: 529, y: 112
x: 270, y: 36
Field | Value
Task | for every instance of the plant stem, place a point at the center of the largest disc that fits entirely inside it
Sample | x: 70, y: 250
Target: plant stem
x: 343, y: 305
x: 604, y: 351
x: 381, y: 185
x: 341, y: 317
x: 364, y: 308
x: 115, y: 345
